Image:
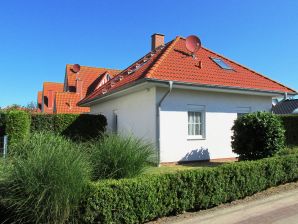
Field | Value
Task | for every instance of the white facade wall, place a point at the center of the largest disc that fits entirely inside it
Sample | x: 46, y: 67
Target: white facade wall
x: 220, y: 112
x: 136, y: 113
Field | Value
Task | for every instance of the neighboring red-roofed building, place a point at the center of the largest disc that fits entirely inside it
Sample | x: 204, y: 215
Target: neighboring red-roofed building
x: 63, y: 97
x: 48, y: 95
x: 39, y: 101
x: 185, y: 104
x: 66, y: 103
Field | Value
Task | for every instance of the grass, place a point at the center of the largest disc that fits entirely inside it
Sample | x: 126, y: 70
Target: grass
x: 176, y: 168
x: 1, y: 168
x: 115, y: 157
x: 47, y: 180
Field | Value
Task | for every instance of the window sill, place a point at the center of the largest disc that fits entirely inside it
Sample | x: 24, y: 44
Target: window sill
x: 196, y: 138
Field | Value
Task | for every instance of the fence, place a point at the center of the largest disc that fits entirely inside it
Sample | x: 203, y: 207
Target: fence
x: 3, y: 145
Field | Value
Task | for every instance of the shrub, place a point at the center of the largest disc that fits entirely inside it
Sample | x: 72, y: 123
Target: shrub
x: 117, y: 157
x: 148, y: 197
x: 75, y: 126
x: 47, y: 180
x: 17, y: 126
x: 257, y: 135
x: 291, y: 125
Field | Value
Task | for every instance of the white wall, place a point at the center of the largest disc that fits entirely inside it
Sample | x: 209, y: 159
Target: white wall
x: 136, y: 113
x: 221, y: 111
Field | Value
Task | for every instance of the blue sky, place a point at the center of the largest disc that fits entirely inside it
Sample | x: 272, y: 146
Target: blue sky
x: 38, y: 38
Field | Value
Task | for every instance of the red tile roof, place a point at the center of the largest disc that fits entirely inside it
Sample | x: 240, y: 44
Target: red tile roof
x: 174, y: 63
x: 50, y: 86
x: 66, y: 103
x: 88, y: 75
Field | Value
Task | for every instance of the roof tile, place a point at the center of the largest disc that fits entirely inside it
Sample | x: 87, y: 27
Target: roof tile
x: 66, y: 103
x: 174, y: 63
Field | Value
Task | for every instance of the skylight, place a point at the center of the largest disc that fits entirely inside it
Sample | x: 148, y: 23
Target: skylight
x: 222, y: 64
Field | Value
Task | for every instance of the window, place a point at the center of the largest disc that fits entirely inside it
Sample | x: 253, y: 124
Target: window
x: 115, y: 122
x: 221, y: 63
x: 195, y: 124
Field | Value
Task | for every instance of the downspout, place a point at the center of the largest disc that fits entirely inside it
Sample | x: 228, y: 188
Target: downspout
x: 158, y: 120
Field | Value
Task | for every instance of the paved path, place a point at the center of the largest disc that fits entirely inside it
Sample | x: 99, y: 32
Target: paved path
x: 276, y: 209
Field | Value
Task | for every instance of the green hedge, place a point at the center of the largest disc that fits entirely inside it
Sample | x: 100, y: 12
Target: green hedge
x: 146, y: 198
x: 2, y: 123
x: 76, y: 126
x: 17, y: 126
x: 291, y: 125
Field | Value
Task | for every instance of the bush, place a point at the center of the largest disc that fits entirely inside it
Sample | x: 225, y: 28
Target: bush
x: 75, y: 126
x: 257, y: 135
x: 149, y: 197
x: 17, y: 126
x: 47, y: 180
x: 117, y: 157
x: 291, y: 126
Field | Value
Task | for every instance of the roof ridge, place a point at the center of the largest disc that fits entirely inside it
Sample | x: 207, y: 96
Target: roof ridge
x: 162, y: 57
x: 53, y: 82
x: 65, y: 93
x: 96, y: 67
x: 255, y: 72
x: 122, y: 72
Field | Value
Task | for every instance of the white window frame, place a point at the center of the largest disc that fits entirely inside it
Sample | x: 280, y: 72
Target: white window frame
x: 198, y: 109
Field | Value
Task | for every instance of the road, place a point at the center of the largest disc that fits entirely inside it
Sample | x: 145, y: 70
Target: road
x: 281, y: 208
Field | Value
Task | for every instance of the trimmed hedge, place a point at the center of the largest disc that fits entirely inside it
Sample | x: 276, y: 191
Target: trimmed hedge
x: 291, y: 125
x: 75, y: 126
x: 17, y: 126
x: 148, y: 197
x: 2, y: 123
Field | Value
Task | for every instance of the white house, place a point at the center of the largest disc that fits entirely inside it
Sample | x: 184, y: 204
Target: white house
x: 185, y: 105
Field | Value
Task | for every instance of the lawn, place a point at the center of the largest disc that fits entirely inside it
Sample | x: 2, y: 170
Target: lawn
x: 197, y: 165
x: 175, y: 168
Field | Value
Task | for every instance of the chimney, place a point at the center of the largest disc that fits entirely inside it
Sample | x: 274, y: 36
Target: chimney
x: 157, y: 40
x: 79, y: 87
x: 50, y: 99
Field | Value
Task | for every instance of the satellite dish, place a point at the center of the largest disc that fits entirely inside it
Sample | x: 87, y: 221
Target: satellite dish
x: 76, y: 68
x: 193, y: 44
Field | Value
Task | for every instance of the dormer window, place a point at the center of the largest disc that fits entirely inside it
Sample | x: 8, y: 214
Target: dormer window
x: 221, y: 63
x: 108, y: 77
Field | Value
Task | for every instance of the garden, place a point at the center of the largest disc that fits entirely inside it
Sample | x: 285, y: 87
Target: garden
x: 66, y: 169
